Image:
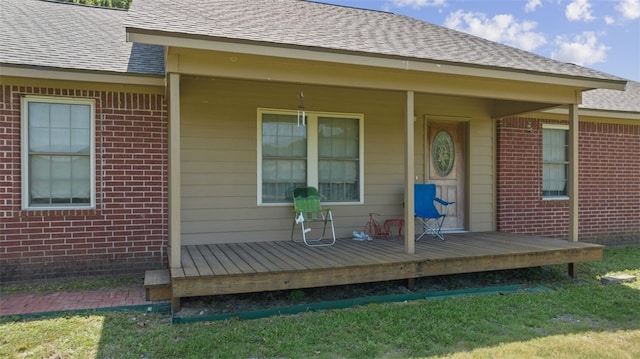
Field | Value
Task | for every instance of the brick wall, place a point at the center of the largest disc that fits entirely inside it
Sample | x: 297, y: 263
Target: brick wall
x: 609, y: 182
x: 127, y: 231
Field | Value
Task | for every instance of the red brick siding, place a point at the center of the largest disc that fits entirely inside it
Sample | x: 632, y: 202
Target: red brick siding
x: 127, y: 231
x: 609, y: 182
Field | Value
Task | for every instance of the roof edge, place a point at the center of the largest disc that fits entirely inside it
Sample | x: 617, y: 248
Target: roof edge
x: 81, y: 75
x: 62, y: 2
x: 201, y: 42
x: 620, y: 115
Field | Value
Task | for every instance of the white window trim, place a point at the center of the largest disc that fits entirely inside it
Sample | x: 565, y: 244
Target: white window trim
x: 558, y: 198
x: 24, y: 105
x: 554, y: 126
x: 312, y: 151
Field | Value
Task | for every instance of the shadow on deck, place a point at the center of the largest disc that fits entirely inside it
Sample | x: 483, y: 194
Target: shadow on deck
x: 264, y: 266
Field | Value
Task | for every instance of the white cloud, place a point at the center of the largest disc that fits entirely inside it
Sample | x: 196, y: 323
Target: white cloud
x: 582, y: 50
x: 609, y: 20
x: 418, y: 3
x: 579, y: 10
x: 630, y: 9
x: 532, y: 5
x: 501, y: 28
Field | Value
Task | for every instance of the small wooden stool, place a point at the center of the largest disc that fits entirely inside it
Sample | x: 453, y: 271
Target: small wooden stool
x: 393, y: 222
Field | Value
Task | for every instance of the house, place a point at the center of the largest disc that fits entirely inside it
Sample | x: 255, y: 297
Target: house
x: 170, y: 136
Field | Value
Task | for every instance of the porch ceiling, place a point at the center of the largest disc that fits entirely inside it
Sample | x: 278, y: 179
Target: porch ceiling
x: 369, y: 75
x: 503, y: 108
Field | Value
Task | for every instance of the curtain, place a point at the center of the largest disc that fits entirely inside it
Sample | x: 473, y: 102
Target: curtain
x: 555, y: 158
x: 338, y: 162
x: 59, y: 153
x: 284, y: 157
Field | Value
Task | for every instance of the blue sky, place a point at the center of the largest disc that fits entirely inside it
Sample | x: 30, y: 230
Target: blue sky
x: 600, y: 34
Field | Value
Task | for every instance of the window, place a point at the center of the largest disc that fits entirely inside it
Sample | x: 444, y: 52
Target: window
x: 323, y: 151
x: 57, y: 153
x: 555, y: 147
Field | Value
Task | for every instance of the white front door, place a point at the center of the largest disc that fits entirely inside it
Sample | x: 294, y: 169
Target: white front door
x: 446, y: 167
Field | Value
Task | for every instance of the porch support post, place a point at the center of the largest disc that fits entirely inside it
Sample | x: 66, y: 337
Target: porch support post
x: 409, y: 174
x: 573, y: 179
x: 174, y: 170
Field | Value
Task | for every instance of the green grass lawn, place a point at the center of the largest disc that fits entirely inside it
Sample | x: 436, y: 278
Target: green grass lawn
x: 577, y: 319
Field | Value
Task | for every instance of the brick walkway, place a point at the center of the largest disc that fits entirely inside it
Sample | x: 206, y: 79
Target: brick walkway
x: 29, y: 303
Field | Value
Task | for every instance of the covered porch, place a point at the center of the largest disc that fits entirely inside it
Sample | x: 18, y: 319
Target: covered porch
x: 398, y: 90
x: 232, y: 268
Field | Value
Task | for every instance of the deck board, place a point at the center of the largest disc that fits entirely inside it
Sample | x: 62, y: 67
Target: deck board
x: 271, y: 250
x: 347, y: 258
x: 188, y: 265
x: 246, y: 254
x: 212, y: 261
x: 262, y: 266
x: 381, y: 250
x: 319, y: 256
x: 310, y: 257
x: 199, y: 261
x: 469, y: 248
x: 226, y: 262
x: 243, y: 266
x: 267, y: 260
x: 350, y: 255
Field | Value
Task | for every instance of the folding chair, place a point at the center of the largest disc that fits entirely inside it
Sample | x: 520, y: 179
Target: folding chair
x: 307, y: 207
x: 426, y: 213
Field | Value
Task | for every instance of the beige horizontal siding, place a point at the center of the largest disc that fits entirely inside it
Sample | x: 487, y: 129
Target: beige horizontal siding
x: 219, y: 155
x: 482, y: 176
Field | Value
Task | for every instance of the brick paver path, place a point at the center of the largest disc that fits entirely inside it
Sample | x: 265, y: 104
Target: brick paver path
x: 27, y: 303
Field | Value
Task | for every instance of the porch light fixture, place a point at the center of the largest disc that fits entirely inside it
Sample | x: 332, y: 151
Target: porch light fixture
x: 301, y: 113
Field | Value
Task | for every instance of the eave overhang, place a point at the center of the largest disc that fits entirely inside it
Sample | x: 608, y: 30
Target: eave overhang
x: 170, y: 39
x: 586, y: 112
x: 60, y: 74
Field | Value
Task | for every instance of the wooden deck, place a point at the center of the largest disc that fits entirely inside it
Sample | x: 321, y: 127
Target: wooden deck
x: 263, y: 266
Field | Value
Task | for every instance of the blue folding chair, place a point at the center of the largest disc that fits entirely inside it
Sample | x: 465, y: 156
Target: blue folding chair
x: 426, y: 213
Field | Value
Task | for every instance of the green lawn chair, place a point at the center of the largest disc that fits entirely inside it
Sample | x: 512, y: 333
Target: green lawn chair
x: 307, y: 207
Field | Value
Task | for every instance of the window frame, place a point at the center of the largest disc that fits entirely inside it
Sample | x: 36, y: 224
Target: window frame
x: 25, y: 182
x: 312, y: 151
x: 544, y: 162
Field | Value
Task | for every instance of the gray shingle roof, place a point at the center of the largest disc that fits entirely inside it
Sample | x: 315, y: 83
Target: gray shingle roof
x: 612, y: 100
x: 66, y: 36
x: 46, y: 34
x: 338, y: 28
